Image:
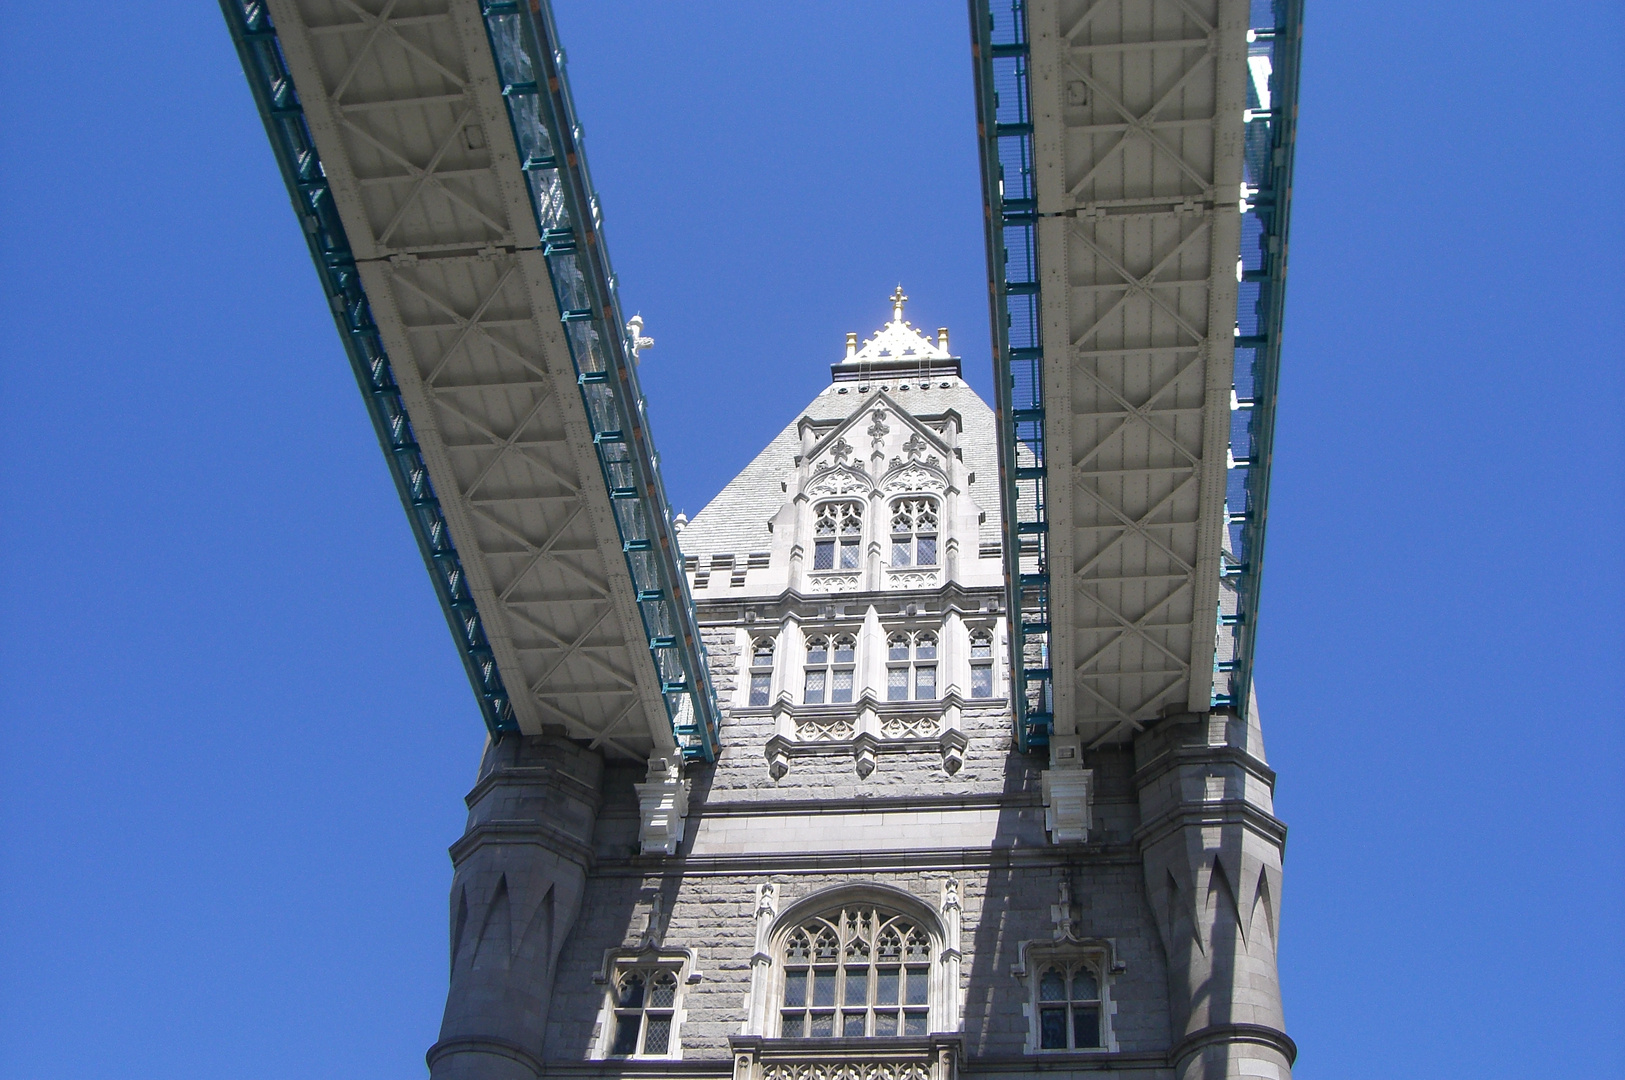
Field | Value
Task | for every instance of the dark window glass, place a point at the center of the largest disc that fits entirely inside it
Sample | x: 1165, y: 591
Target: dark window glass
x: 657, y: 1035
x: 626, y: 1034
x: 823, y: 1025
x: 823, y: 986
x: 857, y: 986
x: 790, y: 1027
x: 917, y: 984
x: 760, y: 685
x: 824, y: 555
x: 897, y: 684
x: 815, y: 688
x: 842, y: 689
x: 981, y: 680
x: 1085, y: 1027
x: 849, y: 554
x: 1052, y: 1028
x: 914, y: 1023
x: 795, y: 989
x: 925, y: 684
x: 852, y: 1025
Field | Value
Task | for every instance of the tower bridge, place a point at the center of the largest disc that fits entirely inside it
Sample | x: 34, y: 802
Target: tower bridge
x: 870, y: 597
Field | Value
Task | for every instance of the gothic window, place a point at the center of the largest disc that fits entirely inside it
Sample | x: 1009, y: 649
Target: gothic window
x: 914, y: 532
x: 838, y: 536
x: 911, y: 666
x: 644, y: 1003
x: 858, y: 972
x: 981, y: 664
x: 761, y: 671
x: 830, y: 666
x: 1068, y: 1007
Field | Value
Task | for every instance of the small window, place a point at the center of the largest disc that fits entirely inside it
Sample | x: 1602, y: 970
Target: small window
x: 1069, y: 1007
x: 838, y: 536
x: 914, y: 532
x: 761, y: 671
x: 911, y: 671
x: 981, y: 664
x: 829, y: 670
x: 645, y: 1001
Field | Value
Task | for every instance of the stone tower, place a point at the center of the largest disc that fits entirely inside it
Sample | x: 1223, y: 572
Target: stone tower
x: 869, y: 883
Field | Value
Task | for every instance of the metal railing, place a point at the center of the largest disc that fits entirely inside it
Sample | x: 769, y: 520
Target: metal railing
x: 1004, y: 123
x: 530, y: 64
x: 566, y: 208
x: 1273, y: 42
x: 301, y: 166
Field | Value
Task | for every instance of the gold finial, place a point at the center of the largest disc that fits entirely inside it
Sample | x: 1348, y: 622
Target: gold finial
x: 897, y: 299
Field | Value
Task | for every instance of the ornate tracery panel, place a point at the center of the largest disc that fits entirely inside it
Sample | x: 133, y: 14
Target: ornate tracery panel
x: 858, y: 971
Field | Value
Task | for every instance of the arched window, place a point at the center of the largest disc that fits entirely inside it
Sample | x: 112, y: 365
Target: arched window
x: 830, y: 666
x: 838, y: 536
x: 914, y: 532
x: 981, y: 664
x: 761, y: 670
x: 911, y: 666
x: 645, y: 999
x: 859, y: 971
x: 1069, y: 1007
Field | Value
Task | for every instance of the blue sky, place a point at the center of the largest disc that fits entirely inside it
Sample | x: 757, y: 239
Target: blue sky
x: 235, y: 733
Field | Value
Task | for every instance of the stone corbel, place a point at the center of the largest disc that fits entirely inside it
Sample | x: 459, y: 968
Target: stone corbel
x: 1068, y: 790
x: 952, y: 742
x: 663, y: 806
x: 778, y: 756
x: 863, y: 753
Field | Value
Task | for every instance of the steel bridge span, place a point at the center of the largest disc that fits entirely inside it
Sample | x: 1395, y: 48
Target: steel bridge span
x: 1137, y: 163
x: 1137, y: 168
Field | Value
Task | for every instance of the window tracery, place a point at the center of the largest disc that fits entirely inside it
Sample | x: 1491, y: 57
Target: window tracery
x: 644, y: 1004
x: 911, y: 666
x: 838, y: 536
x: 1069, y: 1006
x: 830, y: 669
x: 914, y: 532
x: 761, y: 671
x: 859, y: 971
x: 981, y: 664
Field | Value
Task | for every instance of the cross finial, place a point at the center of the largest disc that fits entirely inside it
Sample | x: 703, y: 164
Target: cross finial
x: 897, y: 299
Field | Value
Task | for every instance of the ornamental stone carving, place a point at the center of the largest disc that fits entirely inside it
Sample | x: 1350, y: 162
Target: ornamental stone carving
x: 914, y: 476
x: 832, y: 582
x: 839, y: 480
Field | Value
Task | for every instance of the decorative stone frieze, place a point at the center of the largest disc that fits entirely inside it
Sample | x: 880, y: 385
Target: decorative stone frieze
x: 933, y: 1057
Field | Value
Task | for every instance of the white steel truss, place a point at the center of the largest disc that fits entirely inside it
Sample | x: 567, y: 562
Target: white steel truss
x: 1137, y: 114
x: 406, y: 107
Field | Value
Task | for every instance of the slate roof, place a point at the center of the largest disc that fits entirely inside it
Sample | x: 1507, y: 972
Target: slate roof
x: 736, y: 520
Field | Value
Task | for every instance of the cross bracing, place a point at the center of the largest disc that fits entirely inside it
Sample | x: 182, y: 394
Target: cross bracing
x: 434, y: 158
x: 1137, y: 161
